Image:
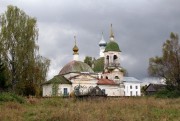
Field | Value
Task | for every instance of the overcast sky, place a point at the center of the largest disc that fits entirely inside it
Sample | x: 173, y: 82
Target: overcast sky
x: 140, y: 28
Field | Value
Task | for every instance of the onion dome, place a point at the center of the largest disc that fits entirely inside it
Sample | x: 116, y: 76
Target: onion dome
x: 102, y: 41
x: 112, y: 46
x: 76, y: 67
x: 75, y: 48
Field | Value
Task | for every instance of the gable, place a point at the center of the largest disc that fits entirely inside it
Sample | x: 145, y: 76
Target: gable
x: 85, y: 77
x: 155, y: 87
x: 150, y: 88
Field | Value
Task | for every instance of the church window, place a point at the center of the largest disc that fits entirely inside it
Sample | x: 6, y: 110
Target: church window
x: 116, y: 77
x: 65, y: 92
x: 115, y: 58
x: 106, y: 77
x: 107, y: 59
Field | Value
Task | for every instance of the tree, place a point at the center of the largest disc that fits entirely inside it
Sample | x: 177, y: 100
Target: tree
x: 88, y: 60
x: 19, y: 51
x: 2, y: 76
x: 168, y: 65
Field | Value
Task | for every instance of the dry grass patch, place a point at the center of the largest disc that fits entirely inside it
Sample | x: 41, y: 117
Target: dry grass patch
x: 110, y: 109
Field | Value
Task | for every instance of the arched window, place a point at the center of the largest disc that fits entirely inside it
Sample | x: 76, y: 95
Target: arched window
x: 106, y: 77
x: 107, y: 59
x: 116, y: 77
x: 115, y: 58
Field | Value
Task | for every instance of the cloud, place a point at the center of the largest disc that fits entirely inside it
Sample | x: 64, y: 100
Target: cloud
x: 140, y: 28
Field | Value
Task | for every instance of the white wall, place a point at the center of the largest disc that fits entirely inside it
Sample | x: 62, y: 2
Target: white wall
x: 61, y: 89
x: 111, y: 90
x: 47, y: 90
x: 128, y: 91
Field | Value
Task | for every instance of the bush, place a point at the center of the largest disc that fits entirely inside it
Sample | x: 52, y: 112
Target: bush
x: 165, y: 93
x: 6, y: 97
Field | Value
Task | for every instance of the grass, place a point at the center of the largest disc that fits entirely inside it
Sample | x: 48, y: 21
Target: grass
x: 6, y: 97
x: 110, y: 109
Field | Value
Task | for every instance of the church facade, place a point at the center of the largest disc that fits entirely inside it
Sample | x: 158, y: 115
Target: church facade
x: 78, y: 78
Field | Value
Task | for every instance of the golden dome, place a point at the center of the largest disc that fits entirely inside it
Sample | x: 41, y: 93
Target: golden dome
x: 75, y: 48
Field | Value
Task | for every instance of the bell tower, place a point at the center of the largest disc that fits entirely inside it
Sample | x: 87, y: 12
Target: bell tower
x: 112, y: 53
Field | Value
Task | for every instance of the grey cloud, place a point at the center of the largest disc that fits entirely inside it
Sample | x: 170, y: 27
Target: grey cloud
x: 140, y: 28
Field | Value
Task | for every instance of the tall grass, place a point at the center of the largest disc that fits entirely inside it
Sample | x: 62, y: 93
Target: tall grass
x: 110, y: 109
x: 6, y: 96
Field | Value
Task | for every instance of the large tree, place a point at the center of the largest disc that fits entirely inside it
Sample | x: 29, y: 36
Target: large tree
x: 19, y: 51
x: 168, y: 65
x: 3, y: 83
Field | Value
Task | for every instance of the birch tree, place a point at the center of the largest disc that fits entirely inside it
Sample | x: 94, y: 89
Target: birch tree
x: 19, y: 51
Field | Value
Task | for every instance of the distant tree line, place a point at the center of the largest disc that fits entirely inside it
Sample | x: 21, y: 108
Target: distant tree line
x: 22, y: 68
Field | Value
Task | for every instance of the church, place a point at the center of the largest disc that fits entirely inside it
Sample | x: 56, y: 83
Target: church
x: 106, y: 76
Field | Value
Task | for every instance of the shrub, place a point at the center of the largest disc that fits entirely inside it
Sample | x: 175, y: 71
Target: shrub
x: 6, y: 97
x: 165, y: 93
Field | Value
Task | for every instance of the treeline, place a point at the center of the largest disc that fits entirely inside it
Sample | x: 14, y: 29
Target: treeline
x: 167, y: 66
x: 22, y: 68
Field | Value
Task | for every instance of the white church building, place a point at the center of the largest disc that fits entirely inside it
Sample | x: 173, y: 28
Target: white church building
x: 106, y: 75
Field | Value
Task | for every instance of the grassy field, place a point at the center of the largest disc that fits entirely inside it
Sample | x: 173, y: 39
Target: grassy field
x: 110, y: 109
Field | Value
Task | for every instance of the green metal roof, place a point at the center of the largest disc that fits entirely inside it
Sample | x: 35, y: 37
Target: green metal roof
x: 112, y: 46
x: 76, y: 66
x: 99, y: 65
x: 58, y: 79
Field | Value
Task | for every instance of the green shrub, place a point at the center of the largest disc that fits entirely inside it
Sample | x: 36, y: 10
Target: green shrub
x: 165, y: 93
x: 6, y: 97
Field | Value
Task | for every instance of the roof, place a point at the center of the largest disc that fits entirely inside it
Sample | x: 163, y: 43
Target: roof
x: 76, y: 66
x: 112, y: 46
x: 82, y: 74
x: 131, y: 79
x: 58, y: 79
x: 154, y: 87
x: 99, y: 65
x: 106, y: 82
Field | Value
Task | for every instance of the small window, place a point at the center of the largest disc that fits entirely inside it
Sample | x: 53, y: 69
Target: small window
x: 136, y: 87
x: 116, y: 77
x: 107, y: 57
x: 131, y: 93
x: 115, y: 57
x: 65, y: 91
x: 136, y: 93
x: 130, y: 87
x: 106, y: 77
x: 104, y: 91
